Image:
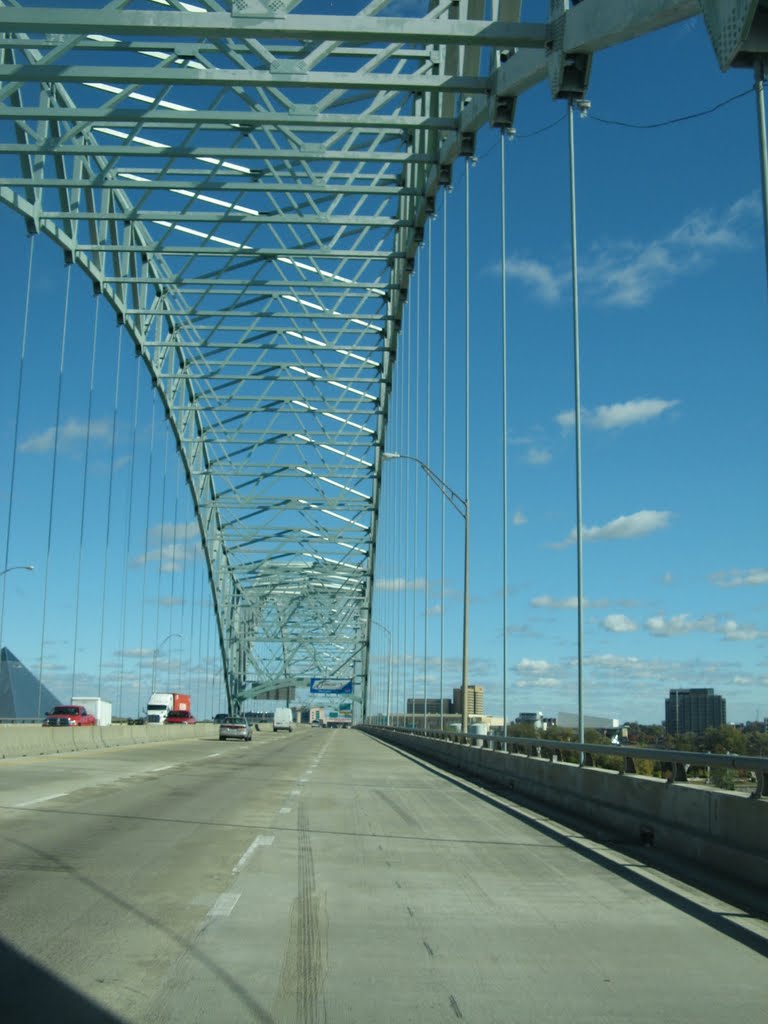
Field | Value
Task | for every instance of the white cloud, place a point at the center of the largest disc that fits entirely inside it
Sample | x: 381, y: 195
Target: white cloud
x: 399, y: 584
x: 618, y: 624
x: 637, y: 524
x: 629, y: 273
x: 740, y: 578
x: 544, y: 283
x: 163, y: 532
x: 733, y: 631
x: 72, y: 435
x: 546, y: 601
x: 680, y: 625
x: 533, y: 666
x: 619, y: 414
x: 538, y: 456
x: 519, y: 518
x: 624, y: 414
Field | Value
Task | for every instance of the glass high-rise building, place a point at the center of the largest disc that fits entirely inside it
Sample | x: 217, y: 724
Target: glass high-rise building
x: 693, y: 710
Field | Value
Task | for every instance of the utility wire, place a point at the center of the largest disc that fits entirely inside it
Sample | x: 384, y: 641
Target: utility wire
x: 673, y: 120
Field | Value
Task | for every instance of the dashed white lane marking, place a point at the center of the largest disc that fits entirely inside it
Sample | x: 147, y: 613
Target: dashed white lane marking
x: 257, y: 842
x: 224, y: 905
x: 41, y: 799
x: 211, y: 755
x: 165, y: 768
x: 285, y: 810
x: 295, y: 792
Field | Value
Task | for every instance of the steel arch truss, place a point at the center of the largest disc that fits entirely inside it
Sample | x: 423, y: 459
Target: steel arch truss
x: 247, y: 183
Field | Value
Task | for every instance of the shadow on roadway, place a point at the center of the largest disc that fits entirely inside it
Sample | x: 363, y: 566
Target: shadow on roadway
x: 20, y: 996
x: 717, y: 887
x: 30, y: 993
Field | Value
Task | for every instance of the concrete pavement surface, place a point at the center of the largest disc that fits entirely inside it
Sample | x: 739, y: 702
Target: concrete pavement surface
x: 322, y: 877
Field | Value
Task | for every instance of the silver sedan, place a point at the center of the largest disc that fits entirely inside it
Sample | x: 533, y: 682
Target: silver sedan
x: 235, y: 728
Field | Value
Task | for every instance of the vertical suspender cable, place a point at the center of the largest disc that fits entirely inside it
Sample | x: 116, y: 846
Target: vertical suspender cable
x: 443, y: 469
x: 78, y: 575
x: 428, y: 460
x: 202, y: 598
x: 397, y: 513
x: 110, y: 486
x: 416, y: 482
x: 56, y: 432
x: 465, y: 630
x: 145, y: 560
x: 185, y: 636
x: 406, y: 508
x: 577, y: 430
x: 504, y: 442
x: 129, y: 525
x: 161, y: 552
x: 12, y: 481
x: 173, y: 563
x: 760, y: 95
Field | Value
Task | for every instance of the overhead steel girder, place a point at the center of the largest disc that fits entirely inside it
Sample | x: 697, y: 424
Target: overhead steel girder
x: 157, y: 25
x: 249, y: 193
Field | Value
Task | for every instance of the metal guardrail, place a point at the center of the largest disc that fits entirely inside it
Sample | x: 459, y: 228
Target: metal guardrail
x: 679, y: 761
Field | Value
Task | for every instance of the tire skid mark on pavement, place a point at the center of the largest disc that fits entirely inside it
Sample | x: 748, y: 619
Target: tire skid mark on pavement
x: 300, y: 995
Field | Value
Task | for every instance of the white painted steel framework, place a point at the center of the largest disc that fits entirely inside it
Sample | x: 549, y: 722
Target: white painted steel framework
x: 247, y: 183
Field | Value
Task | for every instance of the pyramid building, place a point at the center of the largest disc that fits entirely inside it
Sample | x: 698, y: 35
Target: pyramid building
x: 22, y: 695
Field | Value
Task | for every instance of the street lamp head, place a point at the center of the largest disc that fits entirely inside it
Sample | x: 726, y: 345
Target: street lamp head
x: 390, y: 455
x: 11, y: 568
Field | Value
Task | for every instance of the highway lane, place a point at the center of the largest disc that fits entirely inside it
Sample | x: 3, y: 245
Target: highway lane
x: 323, y: 878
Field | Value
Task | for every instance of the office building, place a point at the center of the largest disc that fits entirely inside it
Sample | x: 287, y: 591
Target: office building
x: 693, y: 711
x: 474, y: 700
x: 434, y: 706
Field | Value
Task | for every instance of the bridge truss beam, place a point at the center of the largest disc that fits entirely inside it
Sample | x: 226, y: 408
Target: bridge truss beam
x: 249, y: 192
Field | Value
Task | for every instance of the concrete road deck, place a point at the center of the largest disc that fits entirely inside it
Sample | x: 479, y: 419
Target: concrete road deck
x: 324, y: 878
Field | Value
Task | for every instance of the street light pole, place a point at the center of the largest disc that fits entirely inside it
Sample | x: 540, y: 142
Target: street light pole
x: 462, y: 507
x: 157, y: 651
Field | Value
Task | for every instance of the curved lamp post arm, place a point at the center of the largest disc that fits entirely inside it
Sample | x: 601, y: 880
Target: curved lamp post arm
x: 462, y: 507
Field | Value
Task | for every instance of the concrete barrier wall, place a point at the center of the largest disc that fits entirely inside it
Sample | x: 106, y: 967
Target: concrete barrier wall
x: 25, y: 740
x: 723, y: 830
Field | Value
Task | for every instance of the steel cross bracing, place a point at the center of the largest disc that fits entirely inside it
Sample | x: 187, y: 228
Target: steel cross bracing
x: 247, y: 183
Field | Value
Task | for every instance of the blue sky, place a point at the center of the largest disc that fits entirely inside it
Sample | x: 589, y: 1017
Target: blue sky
x: 673, y: 327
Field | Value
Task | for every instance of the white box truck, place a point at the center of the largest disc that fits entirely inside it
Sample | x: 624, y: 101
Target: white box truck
x: 100, y: 709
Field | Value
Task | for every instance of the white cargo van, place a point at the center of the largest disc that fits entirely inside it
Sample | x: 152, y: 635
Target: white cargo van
x: 283, y: 720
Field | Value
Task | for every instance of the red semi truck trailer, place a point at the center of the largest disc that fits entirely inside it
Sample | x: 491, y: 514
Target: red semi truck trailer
x: 161, y: 703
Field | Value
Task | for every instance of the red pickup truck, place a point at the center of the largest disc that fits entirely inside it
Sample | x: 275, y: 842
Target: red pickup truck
x: 69, y: 714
